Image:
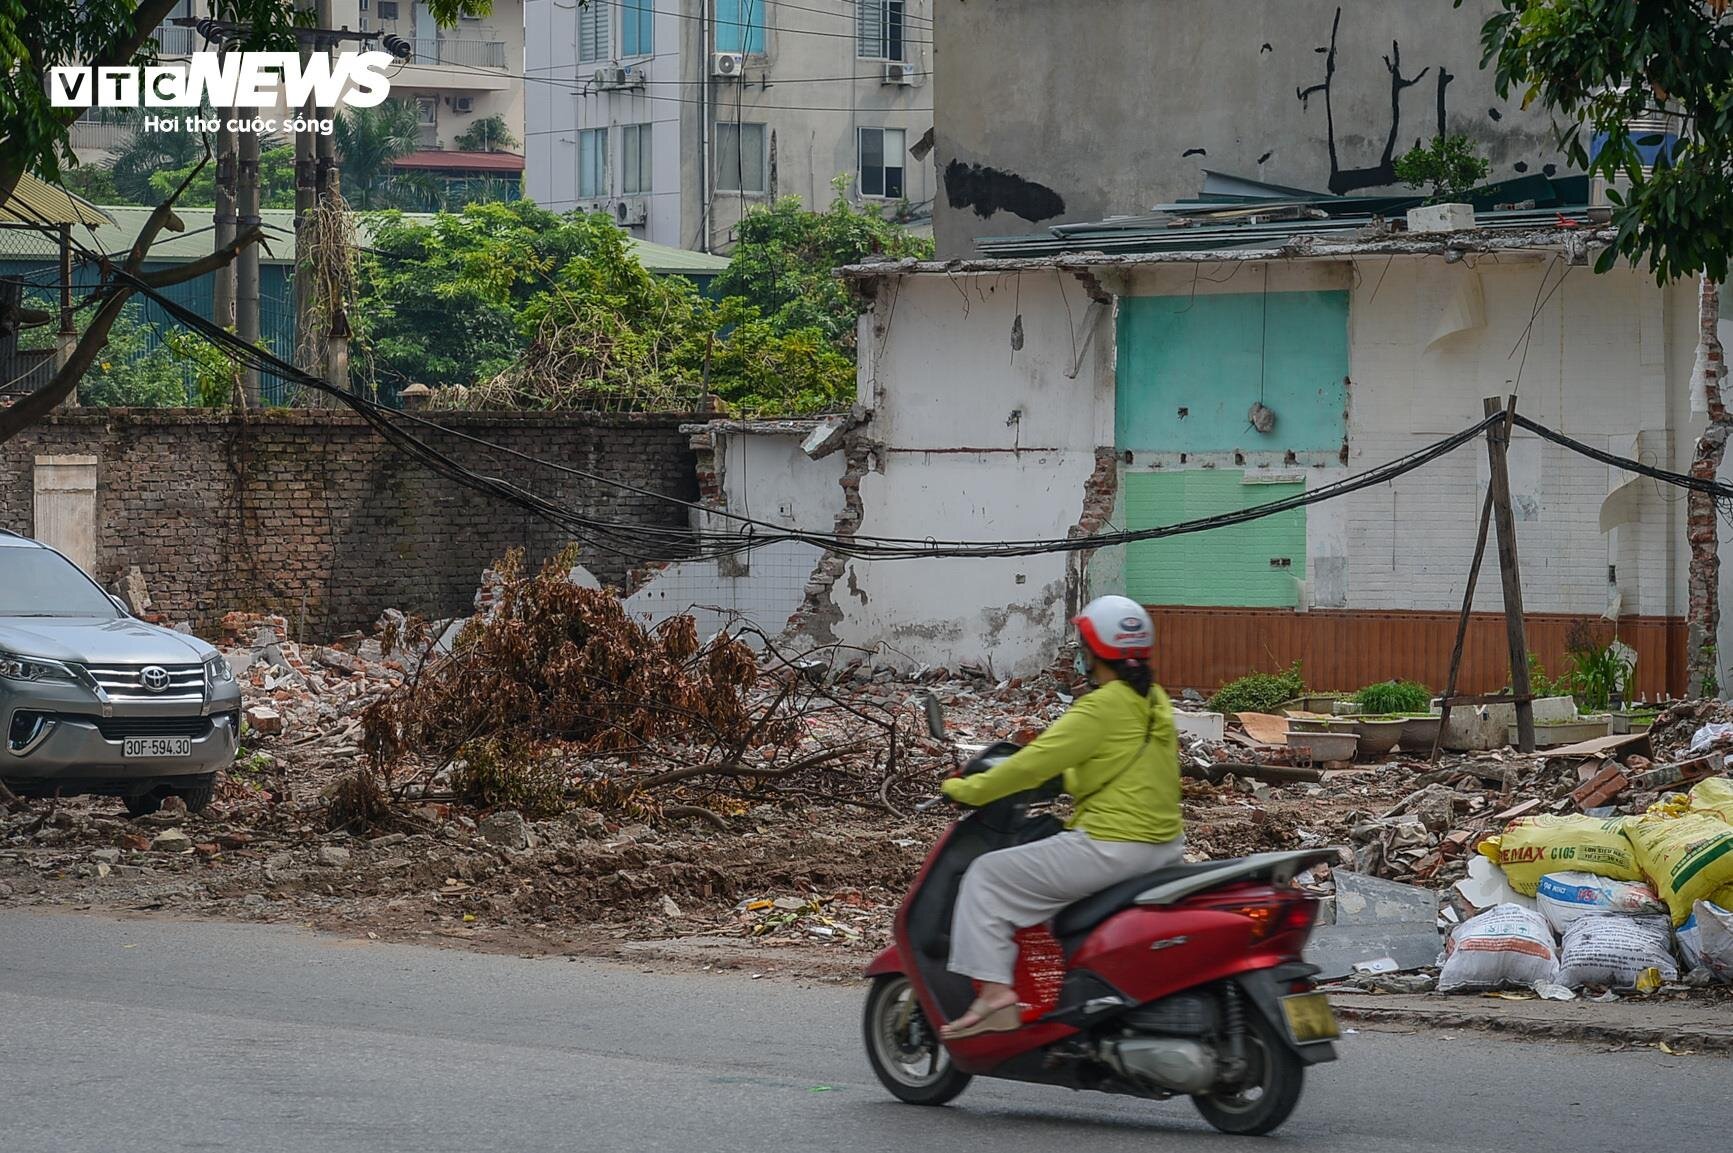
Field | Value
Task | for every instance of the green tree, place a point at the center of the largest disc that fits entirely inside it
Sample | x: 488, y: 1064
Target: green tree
x: 785, y: 261
x: 149, y: 155
x: 276, y: 181
x: 1601, y: 65
x: 509, y: 305
x: 489, y: 134
x: 134, y: 369
x: 368, y: 140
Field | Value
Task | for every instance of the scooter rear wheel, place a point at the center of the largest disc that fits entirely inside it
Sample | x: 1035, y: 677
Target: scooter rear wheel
x: 1274, y: 1078
x: 903, y: 1047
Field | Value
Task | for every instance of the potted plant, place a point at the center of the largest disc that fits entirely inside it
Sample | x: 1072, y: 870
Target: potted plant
x: 1450, y: 167
x: 1385, y: 711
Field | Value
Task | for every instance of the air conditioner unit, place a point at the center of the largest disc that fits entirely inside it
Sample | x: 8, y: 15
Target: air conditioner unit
x: 463, y: 104
x: 630, y: 212
x: 388, y: 9
x: 898, y: 72
x: 728, y: 65
x: 615, y: 76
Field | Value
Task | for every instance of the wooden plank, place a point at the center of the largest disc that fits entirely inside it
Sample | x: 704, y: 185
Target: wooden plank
x: 1265, y: 728
x: 1601, y: 746
x: 1497, y: 446
x: 1462, y: 625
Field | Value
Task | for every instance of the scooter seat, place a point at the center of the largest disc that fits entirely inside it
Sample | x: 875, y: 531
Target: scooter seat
x: 1080, y: 917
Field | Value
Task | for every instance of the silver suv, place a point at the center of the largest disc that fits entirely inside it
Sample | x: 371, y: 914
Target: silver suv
x: 94, y: 700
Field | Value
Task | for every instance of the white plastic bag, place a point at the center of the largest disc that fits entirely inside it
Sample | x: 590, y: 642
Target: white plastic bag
x: 1565, y: 898
x: 1706, y: 940
x: 1614, y: 951
x: 1506, y: 946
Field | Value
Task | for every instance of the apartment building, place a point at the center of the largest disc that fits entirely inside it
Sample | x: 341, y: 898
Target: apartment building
x: 680, y: 116
x: 458, y: 77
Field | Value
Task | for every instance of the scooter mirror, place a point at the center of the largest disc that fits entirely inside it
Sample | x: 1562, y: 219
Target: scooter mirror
x: 935, y: 717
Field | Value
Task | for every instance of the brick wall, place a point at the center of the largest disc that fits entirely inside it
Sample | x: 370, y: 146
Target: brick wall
x: 311, y: 514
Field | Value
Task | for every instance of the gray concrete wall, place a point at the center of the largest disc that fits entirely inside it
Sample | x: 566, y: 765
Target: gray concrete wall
x: 1049, y: 112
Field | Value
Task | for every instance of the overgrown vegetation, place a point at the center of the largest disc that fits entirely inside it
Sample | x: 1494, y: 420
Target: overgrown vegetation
x: 1259, y: 692
x: 1389, y: 697
x: 489, y: 134
x: 1449, y: 166
x: 1599, y: 669
x: 502, y: 772
x: 507, y: 305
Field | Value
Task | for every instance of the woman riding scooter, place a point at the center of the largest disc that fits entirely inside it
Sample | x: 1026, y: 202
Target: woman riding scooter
x: 1119, y: 753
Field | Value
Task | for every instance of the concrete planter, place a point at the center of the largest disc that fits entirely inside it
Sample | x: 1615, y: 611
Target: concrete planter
x: 1378, y: 737
x: 1419, y: 733
x: 1556, y: 734
x: 1488, y: 726
x: 1325, y: 746
x: 1629, y: 722
x: 1441, y: 218
x: 1209, y: 727
x: 1322, y: 725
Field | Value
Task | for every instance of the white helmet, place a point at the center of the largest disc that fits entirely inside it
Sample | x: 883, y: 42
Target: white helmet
x: 1115, y: 628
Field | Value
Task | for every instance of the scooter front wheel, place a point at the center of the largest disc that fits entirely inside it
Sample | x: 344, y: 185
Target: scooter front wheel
x: 904, y: 1048
x: 1271, y: 1089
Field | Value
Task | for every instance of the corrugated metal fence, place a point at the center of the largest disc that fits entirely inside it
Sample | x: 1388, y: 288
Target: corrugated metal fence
x: 1203, y: 648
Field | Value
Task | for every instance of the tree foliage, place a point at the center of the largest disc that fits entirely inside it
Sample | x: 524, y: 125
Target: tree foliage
x: 135, y: 370
x: 368, y: 140
x: 1599, y: 66
x: 489, y: 134
x: 1449, y: 166
x: 785, y: 262
x: 276, y: 181
x: 509, y: 305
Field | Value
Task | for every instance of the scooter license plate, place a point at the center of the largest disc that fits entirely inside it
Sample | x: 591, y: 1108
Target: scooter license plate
x: 1310, y: 1018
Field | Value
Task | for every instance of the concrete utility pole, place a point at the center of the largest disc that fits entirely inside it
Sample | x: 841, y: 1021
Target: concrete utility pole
x: 305, y: 195
x: 223, y: 281
x: 327, y: 180
x: 247, y: 264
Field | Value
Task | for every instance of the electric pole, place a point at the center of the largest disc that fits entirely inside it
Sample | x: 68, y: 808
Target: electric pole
x: 223, y: 284
x: 247, y: 264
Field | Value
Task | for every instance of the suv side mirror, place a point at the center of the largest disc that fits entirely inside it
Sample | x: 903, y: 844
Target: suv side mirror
x: 120, y: 604
x: 935, y: 716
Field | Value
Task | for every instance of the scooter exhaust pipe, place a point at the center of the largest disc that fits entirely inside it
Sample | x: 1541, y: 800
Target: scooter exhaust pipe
x: 1163, y: 1064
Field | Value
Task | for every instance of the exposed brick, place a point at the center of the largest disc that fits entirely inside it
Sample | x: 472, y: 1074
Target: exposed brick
x: 309, y: 514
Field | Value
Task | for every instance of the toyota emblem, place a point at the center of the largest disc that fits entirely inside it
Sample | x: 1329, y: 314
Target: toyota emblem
x: 154, y: 678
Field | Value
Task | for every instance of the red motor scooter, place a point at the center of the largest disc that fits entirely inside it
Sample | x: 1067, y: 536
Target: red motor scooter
x: 1188, y: 981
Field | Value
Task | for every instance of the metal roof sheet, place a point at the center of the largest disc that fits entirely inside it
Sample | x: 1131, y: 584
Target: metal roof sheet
x: 38, y: 202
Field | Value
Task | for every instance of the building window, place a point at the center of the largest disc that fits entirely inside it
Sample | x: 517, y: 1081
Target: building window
x: 879, y: 29
x: 881, y: 162
x: 740, y: 26
x: 594, y: 24
x: 635, y: 160
x: 593, y: 163
x: 740, y: 157
x: 637, y: 31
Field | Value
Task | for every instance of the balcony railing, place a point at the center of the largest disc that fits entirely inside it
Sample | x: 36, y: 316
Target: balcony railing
x: 174, y: 40
x: 461, y: 53
x: 95, y: 135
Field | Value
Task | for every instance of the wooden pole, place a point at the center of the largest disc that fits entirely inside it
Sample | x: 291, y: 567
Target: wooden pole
x: 1497, y: 447
x: 1462, y: 624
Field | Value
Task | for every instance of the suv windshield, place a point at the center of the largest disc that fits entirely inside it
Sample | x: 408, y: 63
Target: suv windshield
x: 35, y: 582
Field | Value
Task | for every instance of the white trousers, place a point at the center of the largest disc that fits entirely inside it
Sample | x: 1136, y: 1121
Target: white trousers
x: 1015, y: 888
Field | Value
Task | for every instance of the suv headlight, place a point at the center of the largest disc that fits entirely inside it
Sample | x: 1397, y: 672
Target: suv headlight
x: 217, y: 670
x: 20, y: 668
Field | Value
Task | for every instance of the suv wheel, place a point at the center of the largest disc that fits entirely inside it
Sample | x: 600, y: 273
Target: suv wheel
x: 199, y: 796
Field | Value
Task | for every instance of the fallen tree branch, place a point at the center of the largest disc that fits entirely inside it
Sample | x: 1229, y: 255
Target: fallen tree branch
x: 698, y: 811
x: 733, y: 768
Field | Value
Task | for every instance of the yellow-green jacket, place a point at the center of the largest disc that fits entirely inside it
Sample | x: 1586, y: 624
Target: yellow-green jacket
x: 1125, y: 789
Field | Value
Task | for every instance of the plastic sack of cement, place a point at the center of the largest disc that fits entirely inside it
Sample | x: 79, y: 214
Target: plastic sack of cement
x: 1532, y: 847
x: 1614, y: 951
x: 1505, y: 947
x: 1714, y: 797
x: 1706, y: 939
x: 1687, y: 858
x: 1565, y: 898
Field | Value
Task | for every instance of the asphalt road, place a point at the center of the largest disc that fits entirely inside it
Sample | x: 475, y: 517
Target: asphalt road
x: 153, y: 1035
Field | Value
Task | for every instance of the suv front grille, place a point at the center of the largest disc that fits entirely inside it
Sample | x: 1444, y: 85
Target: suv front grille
x: 126, y: 683
x: 122, y: 728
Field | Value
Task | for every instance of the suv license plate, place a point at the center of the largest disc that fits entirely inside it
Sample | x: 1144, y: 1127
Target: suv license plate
x: 157, y: 747
x: 1310, y: 1018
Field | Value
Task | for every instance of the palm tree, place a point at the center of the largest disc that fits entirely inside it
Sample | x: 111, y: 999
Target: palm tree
x: 146, y: 153
x: 368, y: 140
